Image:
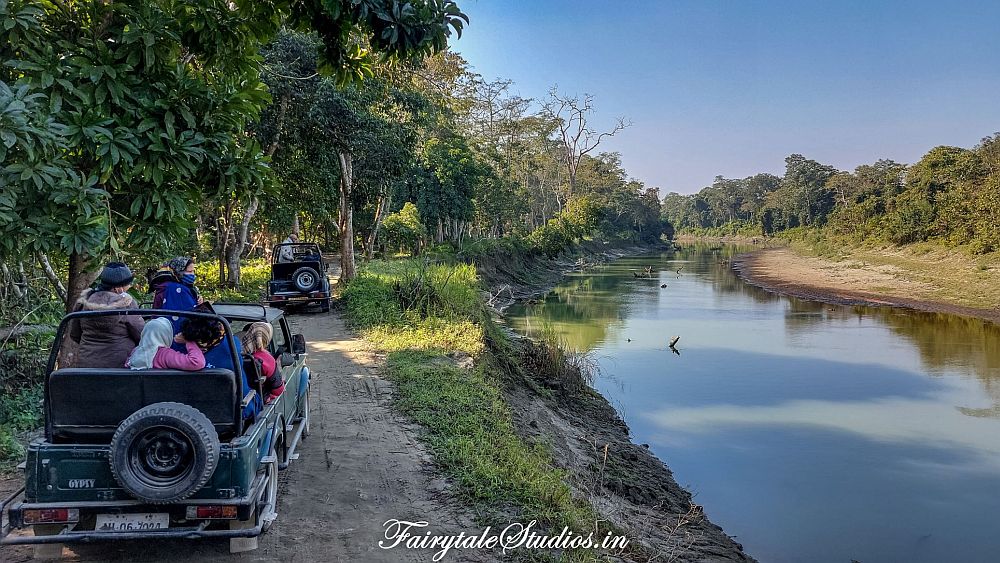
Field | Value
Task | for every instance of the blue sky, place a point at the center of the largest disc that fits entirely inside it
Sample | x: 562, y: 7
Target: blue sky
x: 733, y: 87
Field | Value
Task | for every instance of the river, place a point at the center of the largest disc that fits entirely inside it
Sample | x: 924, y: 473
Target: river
x: 810, y: 432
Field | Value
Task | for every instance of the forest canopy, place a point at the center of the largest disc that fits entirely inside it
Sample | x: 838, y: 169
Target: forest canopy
x: 951, y: 195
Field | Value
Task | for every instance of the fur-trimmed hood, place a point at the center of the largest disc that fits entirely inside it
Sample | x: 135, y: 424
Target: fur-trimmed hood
x: 105, y: 301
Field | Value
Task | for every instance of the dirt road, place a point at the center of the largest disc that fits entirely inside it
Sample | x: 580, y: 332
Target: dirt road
x: 361, y: 466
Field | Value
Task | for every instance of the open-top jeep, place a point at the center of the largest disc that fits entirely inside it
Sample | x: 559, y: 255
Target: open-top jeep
x: 298, y: 276
x: 158, y: 453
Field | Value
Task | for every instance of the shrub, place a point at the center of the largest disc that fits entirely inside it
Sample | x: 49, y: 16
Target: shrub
x: 550, y: 239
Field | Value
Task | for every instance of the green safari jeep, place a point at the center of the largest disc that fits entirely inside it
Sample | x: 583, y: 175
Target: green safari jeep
x: 137, y: 454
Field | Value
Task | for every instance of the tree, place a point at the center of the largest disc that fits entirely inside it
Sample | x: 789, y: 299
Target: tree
x: 149, y: 105
x: 150, y: 108
x: 576, y: 137
x: 404, y: 230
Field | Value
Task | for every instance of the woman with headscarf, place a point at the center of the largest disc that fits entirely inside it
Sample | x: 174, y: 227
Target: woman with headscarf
x: 106, y: 341
x: 154, y: 349
x: 179, y: 294
x: 255, y: 339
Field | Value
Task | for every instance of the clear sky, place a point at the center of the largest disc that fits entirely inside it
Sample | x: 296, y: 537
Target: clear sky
x: 733, y: 87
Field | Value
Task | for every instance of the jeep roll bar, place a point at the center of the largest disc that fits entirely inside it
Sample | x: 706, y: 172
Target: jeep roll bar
x: 147, y: 313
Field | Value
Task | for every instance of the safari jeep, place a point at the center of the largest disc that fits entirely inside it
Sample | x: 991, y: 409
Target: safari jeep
x: 298, y: 276
x: 135, y: 454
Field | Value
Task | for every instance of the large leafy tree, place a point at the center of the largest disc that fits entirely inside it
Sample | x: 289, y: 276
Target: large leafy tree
x: 119, y: 117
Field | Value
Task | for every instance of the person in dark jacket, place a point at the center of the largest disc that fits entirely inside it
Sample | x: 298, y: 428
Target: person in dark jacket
x: 107, y: 341
x: 218, y: 354
x: 180, y: 295
x: 255, y: 338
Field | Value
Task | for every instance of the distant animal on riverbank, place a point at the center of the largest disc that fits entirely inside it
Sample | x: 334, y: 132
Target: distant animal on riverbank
x: 663, y: 285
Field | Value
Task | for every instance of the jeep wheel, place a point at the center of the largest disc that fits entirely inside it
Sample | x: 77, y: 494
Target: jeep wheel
x: 267, y: 509
x: 305, y: 415
x: 305, y: 279
x: 325, y: 306
x: 164, y: 452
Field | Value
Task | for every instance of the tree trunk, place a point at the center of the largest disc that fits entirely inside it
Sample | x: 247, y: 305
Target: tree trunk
x: 383, y: 204
x: 9, y: 279
x: 439, y: 238
x: 235, y: 250
x: 220, y: 241
x: 50, y: 274
x: 347, y: 268
x: 80, y: 278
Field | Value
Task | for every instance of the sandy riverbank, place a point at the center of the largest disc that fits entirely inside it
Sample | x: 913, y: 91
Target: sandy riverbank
x: 872, y: 279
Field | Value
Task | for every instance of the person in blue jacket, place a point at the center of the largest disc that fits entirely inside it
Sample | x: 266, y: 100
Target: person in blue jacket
x: 179, y: 293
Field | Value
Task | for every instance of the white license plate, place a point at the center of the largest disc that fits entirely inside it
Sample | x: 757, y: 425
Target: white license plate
x: 140, y: 522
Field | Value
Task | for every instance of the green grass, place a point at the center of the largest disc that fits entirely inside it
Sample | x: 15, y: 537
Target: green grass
x: 472, y: 436
x: 253, y: 283
x: 468, y: 423
x: 448, y: 296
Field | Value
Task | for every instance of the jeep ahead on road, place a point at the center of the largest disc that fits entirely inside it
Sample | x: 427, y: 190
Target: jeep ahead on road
x: 298, y: 276
x: 157, y: 453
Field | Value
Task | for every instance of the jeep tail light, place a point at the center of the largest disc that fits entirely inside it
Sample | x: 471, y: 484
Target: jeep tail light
x: 320, y: 294
x: 50, y: 515
x: 211, y: 512
x: 277, y: 297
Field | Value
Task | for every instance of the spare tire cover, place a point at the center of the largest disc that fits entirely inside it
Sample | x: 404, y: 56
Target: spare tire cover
x: 305, y: 278
x: 164, y: 452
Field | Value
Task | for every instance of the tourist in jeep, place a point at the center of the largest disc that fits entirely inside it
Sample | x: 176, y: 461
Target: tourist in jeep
x: 285, y: 253
x: 178, y: 293
x: 154, y: 351
x: 106, y: 341
x: 255, y: 338
x: 218, y: 354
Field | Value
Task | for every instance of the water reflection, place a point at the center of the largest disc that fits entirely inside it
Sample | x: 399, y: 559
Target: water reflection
x: 812, y: 432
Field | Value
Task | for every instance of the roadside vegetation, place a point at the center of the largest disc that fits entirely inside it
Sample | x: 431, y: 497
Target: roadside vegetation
x: 450, y: 363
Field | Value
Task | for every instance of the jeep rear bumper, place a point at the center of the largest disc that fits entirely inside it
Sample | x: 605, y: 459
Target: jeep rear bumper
x: 13, y: 507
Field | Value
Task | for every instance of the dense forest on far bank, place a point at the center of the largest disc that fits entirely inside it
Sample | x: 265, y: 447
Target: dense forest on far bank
x: 951, y: 196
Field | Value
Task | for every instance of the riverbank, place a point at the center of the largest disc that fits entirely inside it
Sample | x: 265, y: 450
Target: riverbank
x: 519, y: 276
x: 515, y: 423
x: 923, y: 278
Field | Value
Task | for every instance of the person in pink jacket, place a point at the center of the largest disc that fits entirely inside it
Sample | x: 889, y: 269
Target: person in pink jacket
x: 154, y: 350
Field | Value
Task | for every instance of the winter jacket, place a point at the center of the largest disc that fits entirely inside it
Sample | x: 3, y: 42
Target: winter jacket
x: 192, y: 359
x: 220, y: 357
x: 178, y: 296
x: 106, y: 341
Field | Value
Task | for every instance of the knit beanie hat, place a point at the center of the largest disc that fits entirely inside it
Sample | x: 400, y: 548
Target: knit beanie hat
x: 116, y: 274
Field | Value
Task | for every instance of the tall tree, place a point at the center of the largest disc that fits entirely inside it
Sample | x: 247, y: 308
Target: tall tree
x: 576, y: 136
x: 147, y: 107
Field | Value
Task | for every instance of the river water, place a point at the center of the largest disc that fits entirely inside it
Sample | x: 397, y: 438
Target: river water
x: 811, y: 432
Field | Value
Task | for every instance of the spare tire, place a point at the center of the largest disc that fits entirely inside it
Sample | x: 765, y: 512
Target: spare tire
x: 164, y: 452
x: 305, y: 278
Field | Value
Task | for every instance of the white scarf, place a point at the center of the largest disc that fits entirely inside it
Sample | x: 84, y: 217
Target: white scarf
x: 156, y: 334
